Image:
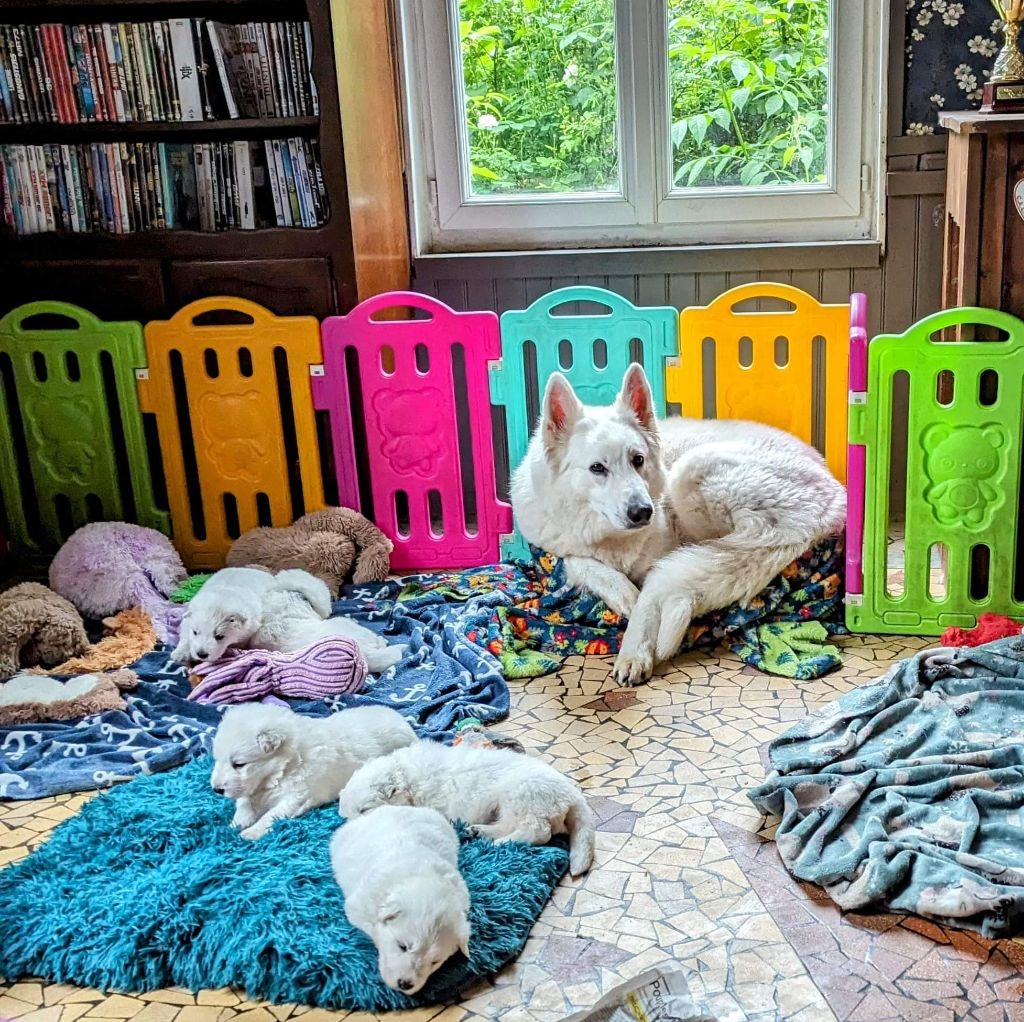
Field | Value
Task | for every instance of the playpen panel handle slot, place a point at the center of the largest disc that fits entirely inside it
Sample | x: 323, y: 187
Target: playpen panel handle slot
x: 190, y: 313
x: 369, y: 309
x: 77, y: 317
x: 547, y: 304
x: 729, y: 300
x: 931, y: 325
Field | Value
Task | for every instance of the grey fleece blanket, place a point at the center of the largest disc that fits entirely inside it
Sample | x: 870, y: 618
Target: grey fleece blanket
x: 907, y: 794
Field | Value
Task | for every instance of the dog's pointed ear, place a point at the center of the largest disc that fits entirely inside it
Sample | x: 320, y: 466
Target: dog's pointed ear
x: 269, y: 739
x: 561, y: 411
x: 636, y: 397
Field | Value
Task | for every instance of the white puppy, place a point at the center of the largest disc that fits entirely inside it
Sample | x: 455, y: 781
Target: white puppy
x: 276, y: 764
x: 501, y: 794
x: 247, y: 608
x: 398, y: 869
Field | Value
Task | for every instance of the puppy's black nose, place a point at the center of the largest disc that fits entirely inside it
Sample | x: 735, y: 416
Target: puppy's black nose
x: 405, y: 984
x: 219, y: 791
x: 639, y: 514
x: 201, y: 653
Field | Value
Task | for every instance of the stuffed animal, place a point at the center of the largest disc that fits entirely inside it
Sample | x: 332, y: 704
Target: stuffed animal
x: 37, y: 627
x: 129, y: 636
x: 107, y: 567
x: 33, y: 698
x: 324, y: 543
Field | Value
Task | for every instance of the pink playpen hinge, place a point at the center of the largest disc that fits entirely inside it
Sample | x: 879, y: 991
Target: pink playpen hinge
x: 856, y: 453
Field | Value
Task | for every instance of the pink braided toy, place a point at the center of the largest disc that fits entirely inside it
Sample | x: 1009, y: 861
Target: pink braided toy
x: 329, y: 667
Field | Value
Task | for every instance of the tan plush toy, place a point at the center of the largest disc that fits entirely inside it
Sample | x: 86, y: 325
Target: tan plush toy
x: 37, y: 627
x: 324, y: 543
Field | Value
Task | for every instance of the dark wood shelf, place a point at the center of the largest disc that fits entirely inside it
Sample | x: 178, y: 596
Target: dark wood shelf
x: 108, y: 131
x: 151, y: 274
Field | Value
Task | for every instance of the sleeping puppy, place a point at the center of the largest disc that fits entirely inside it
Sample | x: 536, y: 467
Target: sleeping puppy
x: 502, y: 795
x: 398, y: 869
x: 246, y: 608
x: 276, y: 764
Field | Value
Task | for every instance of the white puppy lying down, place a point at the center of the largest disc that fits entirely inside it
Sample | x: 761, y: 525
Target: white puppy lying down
x: 276, y: 764
x: 398, y: 869
x: 501, y: 794
x: 251, y: 609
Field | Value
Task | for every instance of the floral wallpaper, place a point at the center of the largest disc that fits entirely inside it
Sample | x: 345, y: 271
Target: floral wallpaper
x: 951, y: 47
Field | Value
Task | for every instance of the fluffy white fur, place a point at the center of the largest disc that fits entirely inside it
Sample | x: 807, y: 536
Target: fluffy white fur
x: 664, y: 520
x: 398, y: 869
x: 38, y: 688
x: 276, y: 764
x: 251, y: 609
x: 503, y: 795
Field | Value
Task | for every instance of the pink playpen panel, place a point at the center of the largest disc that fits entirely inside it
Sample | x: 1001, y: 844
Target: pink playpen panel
x: 426, y: 418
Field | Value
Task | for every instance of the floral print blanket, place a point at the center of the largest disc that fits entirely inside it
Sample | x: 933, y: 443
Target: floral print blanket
x: 907, y: 795
x: 529, y: 617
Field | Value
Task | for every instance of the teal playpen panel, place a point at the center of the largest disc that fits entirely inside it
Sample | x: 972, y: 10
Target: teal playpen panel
x: 72, y: 445
x: 960, y: 525
x: 592, y: 350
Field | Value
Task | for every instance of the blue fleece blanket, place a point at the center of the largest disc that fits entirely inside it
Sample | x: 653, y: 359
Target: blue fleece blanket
x: 907, y: 795
x: 443, y: 679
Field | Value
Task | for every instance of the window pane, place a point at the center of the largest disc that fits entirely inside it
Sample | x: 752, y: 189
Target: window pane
x: 749, y: 88
x: 540, y: 90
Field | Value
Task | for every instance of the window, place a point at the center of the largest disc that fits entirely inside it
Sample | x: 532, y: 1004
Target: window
x: 608, y: 123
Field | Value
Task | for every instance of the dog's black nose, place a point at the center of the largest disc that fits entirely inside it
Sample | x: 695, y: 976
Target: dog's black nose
x: 201, y: 654
x: 405, y: 984
x: 219, y: 791
x: 639, y: 514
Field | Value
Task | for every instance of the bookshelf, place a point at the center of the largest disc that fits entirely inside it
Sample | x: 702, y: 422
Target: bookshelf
x: 149, y: 274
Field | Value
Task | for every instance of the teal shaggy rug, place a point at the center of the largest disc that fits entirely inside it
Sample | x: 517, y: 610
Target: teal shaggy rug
x: 149, y: 887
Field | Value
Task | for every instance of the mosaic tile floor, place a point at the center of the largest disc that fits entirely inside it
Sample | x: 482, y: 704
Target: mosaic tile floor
x: 684, y: 873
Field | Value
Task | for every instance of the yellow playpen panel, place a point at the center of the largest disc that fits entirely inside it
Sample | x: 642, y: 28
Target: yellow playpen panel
x: 234, y: 409
x: 785, y: 368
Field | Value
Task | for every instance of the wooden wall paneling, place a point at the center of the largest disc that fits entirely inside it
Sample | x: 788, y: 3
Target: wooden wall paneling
x: 368, y: 91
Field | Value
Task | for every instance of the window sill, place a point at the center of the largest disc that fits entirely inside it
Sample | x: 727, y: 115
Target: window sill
x: 629, y: 261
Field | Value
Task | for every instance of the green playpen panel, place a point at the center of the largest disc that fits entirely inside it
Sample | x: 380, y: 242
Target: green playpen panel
x: 73, y: 447
x: 960, y: 524
x: 592, y: 350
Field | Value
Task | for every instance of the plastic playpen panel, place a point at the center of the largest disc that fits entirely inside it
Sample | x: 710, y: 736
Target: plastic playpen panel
x: 764, y: 365
x: 431, y: 473
x: 236, y: 422
x: 591, y: 350
x: 961, y: 518
x: 72, y: 447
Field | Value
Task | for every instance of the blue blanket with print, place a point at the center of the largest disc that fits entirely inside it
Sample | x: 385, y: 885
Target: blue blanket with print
x: 443, y: 679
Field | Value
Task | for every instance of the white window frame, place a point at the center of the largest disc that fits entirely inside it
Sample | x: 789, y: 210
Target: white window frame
x: 647, y: 209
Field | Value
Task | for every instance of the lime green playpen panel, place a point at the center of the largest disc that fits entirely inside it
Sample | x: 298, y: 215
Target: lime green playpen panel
x: 961, y: 522
x: 72, y: 445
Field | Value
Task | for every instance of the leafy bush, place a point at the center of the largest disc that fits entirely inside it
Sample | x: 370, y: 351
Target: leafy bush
x: 748, y: 88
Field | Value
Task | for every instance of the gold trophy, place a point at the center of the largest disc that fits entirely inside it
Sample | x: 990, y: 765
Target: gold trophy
x: 1004, y: 91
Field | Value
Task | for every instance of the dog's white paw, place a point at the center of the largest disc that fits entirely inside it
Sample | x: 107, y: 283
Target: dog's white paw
x: 243, y: 820
x: 634, y: 666
x: 254, y: 833
x: 623, y: 600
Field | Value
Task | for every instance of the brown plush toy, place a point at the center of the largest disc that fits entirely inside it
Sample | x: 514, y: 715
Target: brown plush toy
x: 324, y: 543
x: 37, y: 627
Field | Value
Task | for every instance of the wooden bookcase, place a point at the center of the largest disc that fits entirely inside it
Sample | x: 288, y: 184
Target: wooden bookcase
x: 150, y: 275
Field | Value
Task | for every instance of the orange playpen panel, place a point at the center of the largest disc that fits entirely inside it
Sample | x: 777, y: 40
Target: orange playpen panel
x: 785, y: 368
x: 228, y: 383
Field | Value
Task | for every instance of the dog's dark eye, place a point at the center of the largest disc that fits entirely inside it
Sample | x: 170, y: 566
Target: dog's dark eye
x: 218, y: 636
x: 598, y: 469
x: 638, y: 461
x: 403, y: 947
x: 236, y: 765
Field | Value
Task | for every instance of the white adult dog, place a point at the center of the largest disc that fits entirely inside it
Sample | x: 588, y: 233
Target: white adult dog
x: 664, y: 520
x: 501, y: 794
x: 276, y: 764
x: 246, y: 608
x: 398, y: 868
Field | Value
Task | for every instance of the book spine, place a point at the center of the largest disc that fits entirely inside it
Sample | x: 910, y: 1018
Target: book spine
x: 266, y: 74
x: 202, y: 67
x: 243, y: 172
x: 275, y: 183
x: 13, y: 188
x: 305, y: 213
x: 51, y: 74
x: 293, y: 191
x: 112, y: 73
x: 167, y: 87
x: 247, y: 49
x: 277, y: 67
x: 185, y: 73
x: 314, y: 96
x: 28, y: 74
x: 6, y: 96
x: 46, y: 75
x: 160, y: 106
x: 221, y: 69
x: 295, y: 52
x: 84, y: 74
x: 66, y: 72
x: 57, y: 189
x: 23, y: 74
x: 102, y: 71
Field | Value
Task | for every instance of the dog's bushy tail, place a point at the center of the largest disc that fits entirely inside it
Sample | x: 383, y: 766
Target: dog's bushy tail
x: 311, y: 589
x: 579, y: 822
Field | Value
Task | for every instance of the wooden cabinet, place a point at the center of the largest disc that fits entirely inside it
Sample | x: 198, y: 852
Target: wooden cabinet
x: 984, y: 249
